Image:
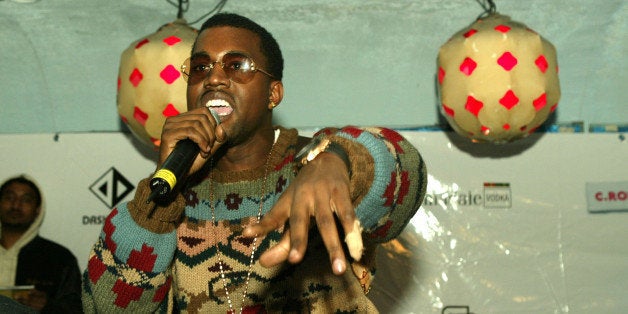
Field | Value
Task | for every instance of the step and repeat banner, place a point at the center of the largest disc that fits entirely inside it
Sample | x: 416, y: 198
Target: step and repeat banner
x: 535, y: 226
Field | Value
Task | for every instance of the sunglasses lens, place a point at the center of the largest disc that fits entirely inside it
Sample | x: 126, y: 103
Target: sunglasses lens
x: 239, y: 68
x: 196, y: 69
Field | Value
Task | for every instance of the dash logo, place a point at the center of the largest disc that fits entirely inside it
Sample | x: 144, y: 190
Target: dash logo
x: 111, y: 187
x: 497, y: 195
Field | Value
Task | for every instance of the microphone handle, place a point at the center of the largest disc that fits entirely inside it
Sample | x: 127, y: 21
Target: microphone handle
x: 173, y: 169
x: 175, y: 166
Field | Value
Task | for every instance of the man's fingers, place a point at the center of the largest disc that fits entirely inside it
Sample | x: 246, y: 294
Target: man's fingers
x: 299, y: 228
x: 275, y: 219
x: 221, y: 135
x: 351, y: 226
x: 329, y: 233
x: 353, y: 239
x: 271, y: 221
x: 220, y: 138
x: 278, y: 253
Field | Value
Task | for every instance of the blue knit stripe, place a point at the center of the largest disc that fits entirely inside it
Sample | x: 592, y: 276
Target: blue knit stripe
x: 129, y: 236
x: 385, y: 165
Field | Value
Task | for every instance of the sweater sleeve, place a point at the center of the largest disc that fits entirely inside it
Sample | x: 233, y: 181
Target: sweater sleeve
x: 129, y: 268
x: 388, y: 178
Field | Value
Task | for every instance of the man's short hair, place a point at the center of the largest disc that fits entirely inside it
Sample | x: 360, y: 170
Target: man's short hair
x: 269, y: 46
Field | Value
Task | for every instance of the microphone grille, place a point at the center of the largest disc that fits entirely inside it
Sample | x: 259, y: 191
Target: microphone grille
x: 215, y: 115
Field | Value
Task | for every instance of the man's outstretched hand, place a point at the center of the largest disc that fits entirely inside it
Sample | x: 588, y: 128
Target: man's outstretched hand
x: 320, y: 191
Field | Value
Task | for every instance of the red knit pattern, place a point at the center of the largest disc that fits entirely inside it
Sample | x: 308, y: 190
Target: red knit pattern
x: 382, y: 231
x: 161, y: 293
x: 109, y: 228
x: 353, y: 131
x: 144, y: 260
x: 96, y: 268
x: 126, y: 293
x: 404, y: 188
x: 394, y: 139
x: 389, y: 194
x: 285, y: 161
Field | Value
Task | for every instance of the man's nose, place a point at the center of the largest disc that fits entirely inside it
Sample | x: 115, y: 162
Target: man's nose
x: 216, y: 74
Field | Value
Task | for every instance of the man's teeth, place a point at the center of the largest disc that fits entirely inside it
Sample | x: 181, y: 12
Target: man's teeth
x: 219, y: 107
x: 217, y: 103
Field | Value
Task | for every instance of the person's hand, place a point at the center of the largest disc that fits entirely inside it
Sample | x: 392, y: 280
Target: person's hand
x: 197, y: 125
x: 34, y: 299
x: 320, y: 191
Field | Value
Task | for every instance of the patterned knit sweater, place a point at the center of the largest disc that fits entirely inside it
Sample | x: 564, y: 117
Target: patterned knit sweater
x: 167, y: 259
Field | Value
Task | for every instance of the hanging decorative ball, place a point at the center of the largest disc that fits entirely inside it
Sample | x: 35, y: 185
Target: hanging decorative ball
x: 150, y: 84
x: 497, y: 80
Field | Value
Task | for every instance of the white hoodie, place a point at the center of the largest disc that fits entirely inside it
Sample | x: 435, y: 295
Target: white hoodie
x: 8, y: 258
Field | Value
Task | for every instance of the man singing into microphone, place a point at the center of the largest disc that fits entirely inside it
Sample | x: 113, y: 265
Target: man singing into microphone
x: 266, y: 220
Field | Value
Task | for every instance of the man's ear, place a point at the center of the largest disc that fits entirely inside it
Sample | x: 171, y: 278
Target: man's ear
x: 276, y: 92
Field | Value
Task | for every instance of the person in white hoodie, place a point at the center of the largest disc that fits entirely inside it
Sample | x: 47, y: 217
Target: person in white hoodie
x: 27, y: 259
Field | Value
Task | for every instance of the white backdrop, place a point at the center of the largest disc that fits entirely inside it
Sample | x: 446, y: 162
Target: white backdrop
x: 504, y: 229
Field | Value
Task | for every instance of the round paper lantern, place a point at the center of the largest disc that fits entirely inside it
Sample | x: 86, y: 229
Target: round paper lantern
x: 497, y: 80
x: 150, y: 84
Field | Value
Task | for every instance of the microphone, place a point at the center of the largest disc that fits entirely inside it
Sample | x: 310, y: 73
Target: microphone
x: 175, y: 167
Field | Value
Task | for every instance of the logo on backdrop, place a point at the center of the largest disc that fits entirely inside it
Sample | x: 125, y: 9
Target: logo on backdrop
x: 607, y: 196
x: 111, y: 188
x: 497, y: 195
x: 493, y: 195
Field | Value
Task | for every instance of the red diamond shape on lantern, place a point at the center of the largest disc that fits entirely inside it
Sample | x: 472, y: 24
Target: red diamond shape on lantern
x: 473, y: 105
x: 441, y: 75
x: 169, y: 74
x: 540, y: 102
x: 532, y: 130
x: 136, y: 77
x: 507, y: 61
x: 170, y: 111
x: 485, y: 130
x: 141, y: 43
x: 506, y: 126
x: 502, y: 28
x: 467, y: 66
x: 448, y: 111
x: 553, y: 107
x: 172, y: 40
x: 509, y: 100
x: 140, y: 115
x: 541, y: 62
x: 470, y: 33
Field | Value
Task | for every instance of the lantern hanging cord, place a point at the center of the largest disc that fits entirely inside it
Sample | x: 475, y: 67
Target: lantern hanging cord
x: 488, y: 6
x: 184, y: 5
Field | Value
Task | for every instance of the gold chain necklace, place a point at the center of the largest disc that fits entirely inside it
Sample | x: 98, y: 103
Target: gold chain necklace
x: 254, y: 244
